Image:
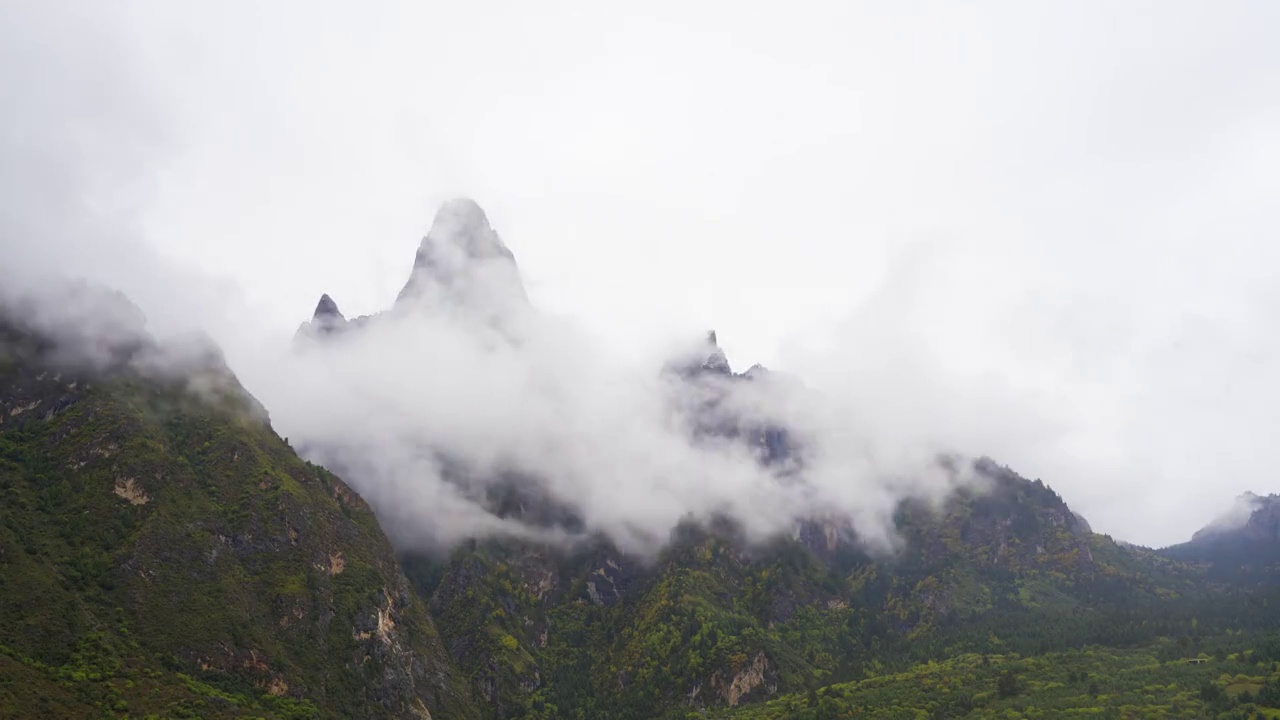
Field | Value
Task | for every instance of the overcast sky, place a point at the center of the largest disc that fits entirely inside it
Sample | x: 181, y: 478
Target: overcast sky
x: 1002, y: 215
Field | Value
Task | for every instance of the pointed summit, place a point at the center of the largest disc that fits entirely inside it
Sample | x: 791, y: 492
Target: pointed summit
x: 463, y: 264
x: 698, y: 358
x: 325, y: 320
x: 462, y: 269
x: 327, y: 308
x: 716, y: 360
x: 462, y: 223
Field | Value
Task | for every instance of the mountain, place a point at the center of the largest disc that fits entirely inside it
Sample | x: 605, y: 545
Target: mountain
x: 462, y: 262
x: 717, y: 622
x: 1255, y: 519
x: 164, y: 553
x: 580, y: 628
x: 462, y: 267
x: 1241, y: 546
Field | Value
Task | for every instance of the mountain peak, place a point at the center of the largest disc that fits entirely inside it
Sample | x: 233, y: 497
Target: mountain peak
x: 326, y: 319
x: 461, y: 215
x: 700, y: 357
x: 462, y: 262
x: 716, y: 360
x: 327, y: 308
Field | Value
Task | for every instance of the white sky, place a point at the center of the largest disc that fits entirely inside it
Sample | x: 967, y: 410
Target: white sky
x: 1075, y: 199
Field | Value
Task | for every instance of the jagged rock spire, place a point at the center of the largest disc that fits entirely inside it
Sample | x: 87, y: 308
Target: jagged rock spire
x: 716, y: 360
x: 325, y: 320
x: 327, y: 308
x: 699, y: 357
x: 462, y: 267
x: 463, y: 264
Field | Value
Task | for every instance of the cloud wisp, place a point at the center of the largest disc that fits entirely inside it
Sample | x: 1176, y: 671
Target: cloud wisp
x: 461, y: 385
x: 1042, y: 234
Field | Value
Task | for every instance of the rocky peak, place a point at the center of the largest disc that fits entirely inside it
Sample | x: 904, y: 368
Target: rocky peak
x: 699, y: 358
x: 461, y: 267
x: 716, y: 360
x: 325, y: 320
x: 462, y: 263
x: 327, y: 308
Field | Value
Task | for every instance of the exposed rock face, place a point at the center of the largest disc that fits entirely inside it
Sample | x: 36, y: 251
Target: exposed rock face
x: 704, y: 388
x: 699, y: 359
x: 607, y: 584
x: 716, y: 361
x: 129, y: 489
x: 744, y: 681
x: 325, y: 321
x: 327, y: 317
x: 822, y: 536
x: 327, y: 309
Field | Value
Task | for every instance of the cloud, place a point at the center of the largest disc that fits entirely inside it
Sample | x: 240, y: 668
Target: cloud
x: 451, y: 393
x: 1236, y: 517
x: 1038, y: 233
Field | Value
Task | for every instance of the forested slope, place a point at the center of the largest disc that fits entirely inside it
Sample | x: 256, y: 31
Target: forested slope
x: 163, y: 551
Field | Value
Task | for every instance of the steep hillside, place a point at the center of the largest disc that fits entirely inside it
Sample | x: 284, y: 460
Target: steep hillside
x: 716, y: 622
x: 1243, y: 547
x: 163, y: 551
x: 581, y: 629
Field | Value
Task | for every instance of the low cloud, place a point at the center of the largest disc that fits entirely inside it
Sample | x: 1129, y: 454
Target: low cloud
x: 999, y: 245
x: 1236, y: 517
x: 460, y: 391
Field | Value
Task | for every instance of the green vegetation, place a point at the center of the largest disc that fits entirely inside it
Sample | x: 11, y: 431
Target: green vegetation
x: 1007, y: 575
x: 164, y: 554
x: 1089, y: 683
x: 163, y: 551
x: 97, y: 683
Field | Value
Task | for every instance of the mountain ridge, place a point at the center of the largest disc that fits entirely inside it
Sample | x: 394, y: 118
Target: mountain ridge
x: 461, y: 267
x: 163, y: 550
x: 714, y: 620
